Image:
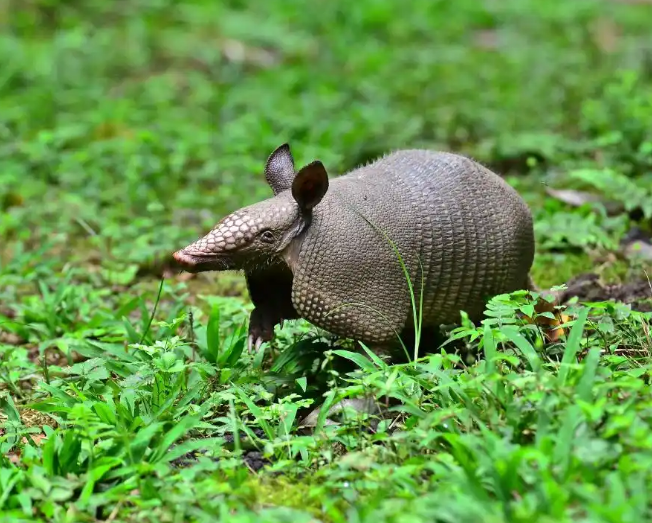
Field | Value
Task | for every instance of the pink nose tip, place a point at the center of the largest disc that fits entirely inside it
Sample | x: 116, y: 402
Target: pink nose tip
x: 183, y: 258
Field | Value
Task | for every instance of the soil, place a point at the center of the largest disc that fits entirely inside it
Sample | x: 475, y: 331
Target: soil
x: 254, y: 459
x: 589, y: 288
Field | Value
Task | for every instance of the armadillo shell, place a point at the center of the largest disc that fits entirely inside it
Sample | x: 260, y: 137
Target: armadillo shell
x: 460, y: 229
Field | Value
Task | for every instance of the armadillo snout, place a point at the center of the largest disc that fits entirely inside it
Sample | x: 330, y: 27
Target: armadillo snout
x: 184, y: 259
x: 197, y: 261
x: 187, y: 261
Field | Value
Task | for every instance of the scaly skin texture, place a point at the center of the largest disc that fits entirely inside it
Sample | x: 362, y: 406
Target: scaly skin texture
x: 471, y: 230
x: 322, y: 250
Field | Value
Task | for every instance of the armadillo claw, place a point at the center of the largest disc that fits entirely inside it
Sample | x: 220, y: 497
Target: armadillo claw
x: 253, y: 345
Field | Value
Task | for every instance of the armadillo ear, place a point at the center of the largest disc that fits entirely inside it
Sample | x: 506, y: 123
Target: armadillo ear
x: 279, y: 169
x: 310, y: 185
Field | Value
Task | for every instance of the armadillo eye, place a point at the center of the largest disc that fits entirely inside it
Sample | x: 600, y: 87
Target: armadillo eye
x: 267, y: 236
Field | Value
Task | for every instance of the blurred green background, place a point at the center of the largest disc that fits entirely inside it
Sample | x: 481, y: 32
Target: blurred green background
x: 127, y: 129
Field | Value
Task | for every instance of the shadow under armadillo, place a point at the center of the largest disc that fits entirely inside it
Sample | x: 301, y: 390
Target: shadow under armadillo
x: 401, y: 352
x: 430, y: 341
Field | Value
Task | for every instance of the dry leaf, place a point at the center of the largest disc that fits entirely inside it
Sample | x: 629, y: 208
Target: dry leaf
x: 572, y: 197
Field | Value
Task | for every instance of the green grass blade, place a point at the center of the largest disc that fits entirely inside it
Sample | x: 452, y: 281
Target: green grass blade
x: 177, y: 431
x: 585, y: 385
x: 153, y: 314
x: 364, y: 363
x: 572, y: 345
x: 566, y: 439
x: 523, y: 345
x: 256, y: 412
x: 213, y: 345
x: 489, y: 345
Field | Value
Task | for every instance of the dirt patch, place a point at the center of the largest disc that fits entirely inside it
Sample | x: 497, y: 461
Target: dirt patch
x: 53, y: 356
x: 7, y: 312
x: 251, y: 457
x: 588, y: 287
x: 11, y: 338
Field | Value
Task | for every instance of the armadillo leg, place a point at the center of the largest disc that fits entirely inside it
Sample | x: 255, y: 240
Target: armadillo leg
x: 269, y: 290
x: 261, y: 327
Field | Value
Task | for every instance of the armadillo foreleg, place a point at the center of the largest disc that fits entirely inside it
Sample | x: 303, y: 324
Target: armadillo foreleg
x: 261, y: 326
x: 270, y: 290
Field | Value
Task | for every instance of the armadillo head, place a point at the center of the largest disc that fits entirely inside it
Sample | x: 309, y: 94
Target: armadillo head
x: 260, y: 233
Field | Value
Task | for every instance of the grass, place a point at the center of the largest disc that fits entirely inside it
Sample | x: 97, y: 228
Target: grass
x: 128, y: 130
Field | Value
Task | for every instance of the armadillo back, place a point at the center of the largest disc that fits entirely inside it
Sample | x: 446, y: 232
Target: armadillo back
x: 477, y: 237
x: 467, y: 229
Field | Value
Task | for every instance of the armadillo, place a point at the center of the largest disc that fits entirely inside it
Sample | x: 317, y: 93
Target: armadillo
x: 354, y: 254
